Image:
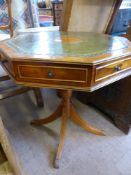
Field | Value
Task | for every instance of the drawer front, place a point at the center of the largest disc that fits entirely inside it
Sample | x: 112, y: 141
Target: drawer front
x: 112, y: 69
x: 52, y: 73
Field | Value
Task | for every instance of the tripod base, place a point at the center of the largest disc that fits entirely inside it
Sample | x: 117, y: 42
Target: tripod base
x: 66, y: 110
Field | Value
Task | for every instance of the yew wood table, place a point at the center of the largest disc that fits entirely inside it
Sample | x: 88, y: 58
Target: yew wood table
x: 67, y: 61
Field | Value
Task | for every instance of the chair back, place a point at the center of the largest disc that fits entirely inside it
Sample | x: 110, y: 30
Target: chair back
x: 8, y: 26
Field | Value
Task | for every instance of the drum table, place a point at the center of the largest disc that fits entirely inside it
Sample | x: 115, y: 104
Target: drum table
x: 66, y: 61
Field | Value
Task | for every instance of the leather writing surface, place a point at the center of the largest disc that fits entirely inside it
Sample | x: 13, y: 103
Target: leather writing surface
x: 66, y: 44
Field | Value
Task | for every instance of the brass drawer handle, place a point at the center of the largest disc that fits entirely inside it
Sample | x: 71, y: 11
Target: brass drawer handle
x: 117, y: 68
x: 50, y: 74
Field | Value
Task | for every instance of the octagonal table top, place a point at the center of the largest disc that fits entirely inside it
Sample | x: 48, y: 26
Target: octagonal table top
x: 58, y: 46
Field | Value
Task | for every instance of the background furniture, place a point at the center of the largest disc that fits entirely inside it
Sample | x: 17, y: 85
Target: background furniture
x: 6, y: 22
x: 24, y: 17
x: 57, y: 9
x: 8, y: 149
x: 45, y: 11
x: 45, y: 17
x: 128, y: 32
x: 9, y: 89
x: 5, y: 167
x: 122, y: 18
x: 89, y: 16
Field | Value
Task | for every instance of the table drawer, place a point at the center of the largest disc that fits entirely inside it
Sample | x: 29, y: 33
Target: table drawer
x: 107, y: 70
x: 53, y: 73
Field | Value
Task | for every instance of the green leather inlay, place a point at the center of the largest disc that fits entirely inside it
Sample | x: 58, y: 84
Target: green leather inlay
x: 71, y: 44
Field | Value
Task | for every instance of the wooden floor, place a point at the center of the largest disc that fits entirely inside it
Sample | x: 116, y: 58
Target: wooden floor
x: 84, y: 154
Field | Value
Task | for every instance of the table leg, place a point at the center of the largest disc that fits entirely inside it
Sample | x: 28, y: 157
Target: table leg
x: 66, y: 110
x: 84, y: 124
x: 39, y: 98
x: 65, y: 115
x: 49, y: 119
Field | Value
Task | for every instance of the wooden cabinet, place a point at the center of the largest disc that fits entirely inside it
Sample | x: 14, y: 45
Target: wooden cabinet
x: 57, y: 8
x: 45, y: 11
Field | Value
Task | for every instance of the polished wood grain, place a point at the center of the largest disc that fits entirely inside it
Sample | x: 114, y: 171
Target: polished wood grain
x: 66, y: 111
x: 67, y: 61
x: 38, y: 96
x: 72, y: 66
x: 57, y: 113
x: 70, y: 46
x: 111, y: 69
x: 52, y: 72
